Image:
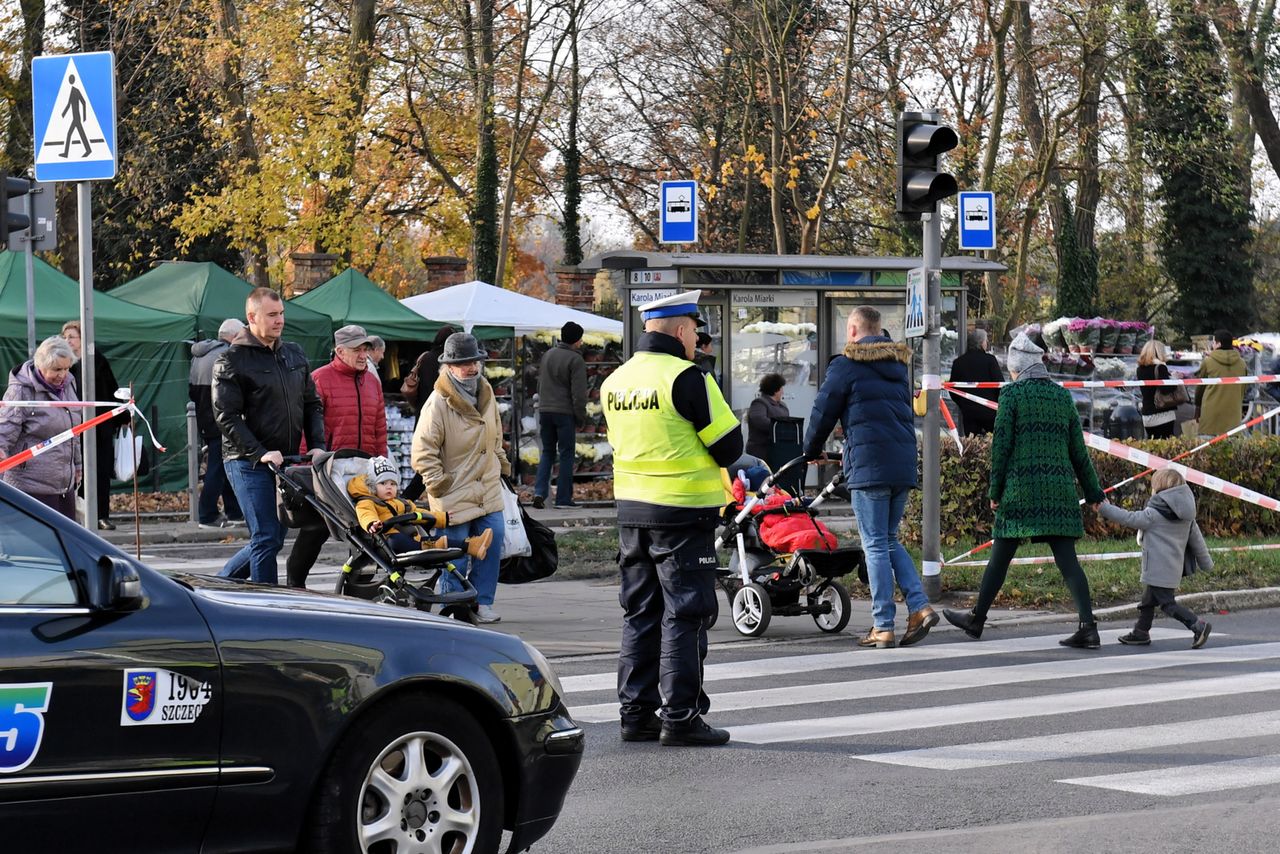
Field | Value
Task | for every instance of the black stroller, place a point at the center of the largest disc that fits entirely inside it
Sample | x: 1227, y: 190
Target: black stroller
x: 762, y: 583
x: 373, y: 570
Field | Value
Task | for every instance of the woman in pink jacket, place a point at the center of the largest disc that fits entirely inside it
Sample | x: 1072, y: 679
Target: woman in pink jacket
x: 53, y: 477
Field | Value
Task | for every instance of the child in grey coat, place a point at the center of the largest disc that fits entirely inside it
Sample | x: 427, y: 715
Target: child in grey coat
x: 1172, y: 546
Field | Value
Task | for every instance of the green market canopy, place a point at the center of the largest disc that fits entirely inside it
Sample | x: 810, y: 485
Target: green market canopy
x: 350, y: 297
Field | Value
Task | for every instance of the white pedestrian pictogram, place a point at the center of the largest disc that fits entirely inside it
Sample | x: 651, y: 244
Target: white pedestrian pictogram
x: 74, y: 133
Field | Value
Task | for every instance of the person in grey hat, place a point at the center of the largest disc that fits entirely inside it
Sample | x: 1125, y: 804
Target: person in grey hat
x: 200, y: 390
x: 457, y: 448
x: 355, y: 416
x: 1037, y: 457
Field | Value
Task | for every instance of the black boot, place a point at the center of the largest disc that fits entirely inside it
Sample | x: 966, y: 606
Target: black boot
x: 967, y: 621
x: 694, y: 732
x: 1086, y: 637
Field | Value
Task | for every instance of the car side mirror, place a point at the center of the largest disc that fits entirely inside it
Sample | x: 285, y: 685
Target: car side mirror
x: 123, y: 588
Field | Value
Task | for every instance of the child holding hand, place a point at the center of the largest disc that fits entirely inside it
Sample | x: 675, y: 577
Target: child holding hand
x: 374, y: 507
x: 1172, y: 546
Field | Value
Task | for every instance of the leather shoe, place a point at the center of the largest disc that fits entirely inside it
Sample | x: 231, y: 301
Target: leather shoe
x: 918, y: 625
x: 694, y: 732
x: 539, y: 502
x: 966, y: 621
x: 878, y: 638
x: 645, y: 729
x: 1085, y: 637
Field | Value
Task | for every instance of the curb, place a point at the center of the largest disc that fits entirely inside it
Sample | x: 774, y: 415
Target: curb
x: 1220, y: 600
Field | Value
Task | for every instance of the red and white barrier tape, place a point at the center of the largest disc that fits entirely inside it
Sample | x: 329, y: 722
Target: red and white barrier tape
x: 1262, y: 378
x: 1044, y: 559
x: 59, y: 404
x: 67, y: 435
x: 951, y: 426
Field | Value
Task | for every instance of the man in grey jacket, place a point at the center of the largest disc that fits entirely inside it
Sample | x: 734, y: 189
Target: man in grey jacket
x: 562, y: 408
x: 200, y: 390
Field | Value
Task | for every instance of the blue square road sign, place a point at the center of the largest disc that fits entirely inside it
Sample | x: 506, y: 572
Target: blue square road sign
x: 73, y: 104
x: 678, y: 212
x: 977, y: 215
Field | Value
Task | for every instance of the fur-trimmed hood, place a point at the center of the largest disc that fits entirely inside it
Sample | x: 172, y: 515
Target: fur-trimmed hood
x: 877, y: 348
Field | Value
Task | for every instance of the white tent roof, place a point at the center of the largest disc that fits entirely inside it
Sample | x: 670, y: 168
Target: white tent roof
x: 478, y: 304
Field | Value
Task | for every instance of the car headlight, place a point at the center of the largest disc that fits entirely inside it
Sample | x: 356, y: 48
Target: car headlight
x: 545, y: 668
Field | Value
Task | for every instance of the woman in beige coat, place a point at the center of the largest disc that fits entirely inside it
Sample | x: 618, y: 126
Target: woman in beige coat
x: 457, y: 448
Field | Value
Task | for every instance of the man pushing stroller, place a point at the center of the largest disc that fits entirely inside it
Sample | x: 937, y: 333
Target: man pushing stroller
x: 374, y: 507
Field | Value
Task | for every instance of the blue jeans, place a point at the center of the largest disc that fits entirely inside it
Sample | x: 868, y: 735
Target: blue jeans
x: 879, y: 512
x: 216, y: 484
x: 558, y: 432
x: 255, y: 488
x: 482, y: 573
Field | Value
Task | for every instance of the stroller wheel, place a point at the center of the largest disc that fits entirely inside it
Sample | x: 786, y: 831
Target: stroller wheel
x: 751, y: 610
x: 835, y: 618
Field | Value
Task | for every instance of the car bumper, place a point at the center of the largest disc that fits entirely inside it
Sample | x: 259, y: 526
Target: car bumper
x: 546, y: 771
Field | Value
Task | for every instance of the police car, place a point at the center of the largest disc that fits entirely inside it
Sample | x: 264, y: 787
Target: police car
x: 144, y: 711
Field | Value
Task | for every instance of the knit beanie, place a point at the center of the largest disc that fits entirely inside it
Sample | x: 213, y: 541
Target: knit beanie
x: 383, y: 469
x: 1023, y: 353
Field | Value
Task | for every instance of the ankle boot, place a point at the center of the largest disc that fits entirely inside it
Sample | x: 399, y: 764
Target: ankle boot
x: 967, y: 621
x: 478, y: 547
x: 1085, y: 637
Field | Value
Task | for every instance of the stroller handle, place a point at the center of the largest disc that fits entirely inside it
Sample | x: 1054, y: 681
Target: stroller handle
x: 788, y: 466
x: 289, y: 460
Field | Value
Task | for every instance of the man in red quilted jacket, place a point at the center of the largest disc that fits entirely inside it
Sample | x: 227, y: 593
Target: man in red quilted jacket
x: 354, y: 417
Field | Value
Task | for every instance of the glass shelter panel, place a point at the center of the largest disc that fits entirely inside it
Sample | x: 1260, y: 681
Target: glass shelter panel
x: 774, y: 331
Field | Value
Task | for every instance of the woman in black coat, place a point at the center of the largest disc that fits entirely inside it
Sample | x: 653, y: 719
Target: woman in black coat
x: 104, y: 434
x: 762, y: 413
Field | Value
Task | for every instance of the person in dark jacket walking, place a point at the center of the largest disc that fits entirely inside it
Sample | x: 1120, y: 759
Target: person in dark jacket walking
x: 355, y: 416
x: 1037, y: 456
x: 1159, y: 423
x: 562, y: 408
x: 264, y: 400
x: 200, y: 389
x: 103, y: 434
x: 761, y: 414
x: 868, y: 392
x: 976, y: 365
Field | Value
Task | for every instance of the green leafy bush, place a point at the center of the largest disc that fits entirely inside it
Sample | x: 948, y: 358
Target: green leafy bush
x: 1252, y: 462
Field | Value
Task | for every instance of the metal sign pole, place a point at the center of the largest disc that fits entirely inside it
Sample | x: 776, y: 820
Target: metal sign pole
x: 84, y: 216
x: 931, y: 523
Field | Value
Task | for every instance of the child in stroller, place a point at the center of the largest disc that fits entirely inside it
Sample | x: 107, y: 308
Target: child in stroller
x: 374, y: 508
x: 785, y: 526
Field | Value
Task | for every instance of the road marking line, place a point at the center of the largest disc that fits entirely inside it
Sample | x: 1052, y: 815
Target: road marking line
x: 792, y: 664
x: 959, y: 680
x: 1066, y: 745
x: 1191, y: 779
x: 931, y: 717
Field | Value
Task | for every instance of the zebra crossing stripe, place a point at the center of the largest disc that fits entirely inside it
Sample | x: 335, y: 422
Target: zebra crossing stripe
x: 791, y: 665
x: 959, y: 680
x: 1191, y: 779
x: 1068, y: 745
x: 932, y: 717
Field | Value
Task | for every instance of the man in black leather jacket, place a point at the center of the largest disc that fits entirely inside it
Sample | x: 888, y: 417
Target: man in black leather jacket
x: 263, y: 401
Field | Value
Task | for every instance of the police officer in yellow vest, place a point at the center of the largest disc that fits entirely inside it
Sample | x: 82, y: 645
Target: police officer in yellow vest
x: 671, y: 432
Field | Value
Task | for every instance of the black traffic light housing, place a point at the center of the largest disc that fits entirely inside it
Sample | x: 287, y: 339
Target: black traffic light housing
x: 921, y: 139
x: 13, y: 187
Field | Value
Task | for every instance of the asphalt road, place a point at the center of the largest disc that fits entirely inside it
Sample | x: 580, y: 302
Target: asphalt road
x: 1008, y: 744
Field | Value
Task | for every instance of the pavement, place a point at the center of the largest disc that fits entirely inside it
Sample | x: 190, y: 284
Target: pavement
x: 572, y: 618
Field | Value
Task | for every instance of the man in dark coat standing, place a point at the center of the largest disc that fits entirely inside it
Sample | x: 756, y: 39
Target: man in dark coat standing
x: 976, y: 365
x: 867, y: 391
x: 562, y: 409
x: 200, y: 390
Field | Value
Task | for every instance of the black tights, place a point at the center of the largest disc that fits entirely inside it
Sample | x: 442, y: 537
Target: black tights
x: 1064, y: 554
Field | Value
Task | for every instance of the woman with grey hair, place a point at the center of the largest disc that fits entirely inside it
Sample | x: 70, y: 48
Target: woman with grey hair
x: 52, y: 477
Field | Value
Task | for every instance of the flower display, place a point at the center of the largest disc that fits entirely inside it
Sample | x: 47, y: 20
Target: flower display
x: 1109, y: 369
x: 789, y: 330
x: 498, y: 372
x: 530, y: 455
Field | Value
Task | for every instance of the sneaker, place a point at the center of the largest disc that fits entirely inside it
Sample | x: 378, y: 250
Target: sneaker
x: 235, y: 523
x: 106, y: 525
x: 878, y: 638
x: 1085, y: 637
x: 1201, y: 631
x: 486, y: 614
x: 1135, y: 638
x: 645, y: 729
x: 539, y: 501
x: 216, y: 525
x: 694, y: 732
x: 918, y: 625
x: 966, y: 621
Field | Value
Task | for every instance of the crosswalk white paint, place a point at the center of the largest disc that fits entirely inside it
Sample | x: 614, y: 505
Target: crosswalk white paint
x: 1070, y: 745
x: 1191, y: 779
x: 789, y: 665
x: 957, y: 680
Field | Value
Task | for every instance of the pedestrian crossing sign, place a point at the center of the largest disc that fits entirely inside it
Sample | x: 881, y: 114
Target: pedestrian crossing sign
x: 73, y: 100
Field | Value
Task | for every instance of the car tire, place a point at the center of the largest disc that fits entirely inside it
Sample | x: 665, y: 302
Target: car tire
x: 374, y: 794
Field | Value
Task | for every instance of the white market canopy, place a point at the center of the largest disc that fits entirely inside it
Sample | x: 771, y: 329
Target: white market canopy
x: 478, y: 304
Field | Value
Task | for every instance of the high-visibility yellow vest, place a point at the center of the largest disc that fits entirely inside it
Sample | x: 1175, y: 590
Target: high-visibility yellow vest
x: 658, y: 457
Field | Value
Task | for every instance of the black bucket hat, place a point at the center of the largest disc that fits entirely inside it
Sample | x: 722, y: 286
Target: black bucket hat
x: 460, y: 348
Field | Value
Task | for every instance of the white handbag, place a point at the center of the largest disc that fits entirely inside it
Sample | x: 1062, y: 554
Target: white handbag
x: 515, y: 542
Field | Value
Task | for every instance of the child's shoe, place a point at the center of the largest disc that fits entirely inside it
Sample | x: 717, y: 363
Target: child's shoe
x: 1136, y: 638
x: 438, y: 543
x: 1201, y: 631
x: 478, y: 547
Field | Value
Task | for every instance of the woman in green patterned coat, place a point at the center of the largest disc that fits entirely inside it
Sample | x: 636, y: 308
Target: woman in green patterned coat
x: 1037, y: 455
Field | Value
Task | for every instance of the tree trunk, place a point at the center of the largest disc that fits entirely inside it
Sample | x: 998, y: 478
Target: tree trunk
x: 1244, y: 64
x: 571, y: 228
x: 999, y: 40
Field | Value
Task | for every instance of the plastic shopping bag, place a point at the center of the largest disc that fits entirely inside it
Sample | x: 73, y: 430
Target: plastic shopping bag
x: 128, y: 453
x: 515, y: 542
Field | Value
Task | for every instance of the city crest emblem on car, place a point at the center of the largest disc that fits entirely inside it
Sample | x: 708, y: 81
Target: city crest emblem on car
x: 159, y: 696
x: 139, y: 694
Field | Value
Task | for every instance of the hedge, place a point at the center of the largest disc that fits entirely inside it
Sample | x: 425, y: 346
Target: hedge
x: 1253, y: 462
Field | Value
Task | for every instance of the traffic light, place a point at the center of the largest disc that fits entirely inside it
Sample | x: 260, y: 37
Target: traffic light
x: 920, y: 185
x: 13, y: 187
